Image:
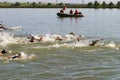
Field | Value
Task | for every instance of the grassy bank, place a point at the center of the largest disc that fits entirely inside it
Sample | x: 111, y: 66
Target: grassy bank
x: 94, y: 4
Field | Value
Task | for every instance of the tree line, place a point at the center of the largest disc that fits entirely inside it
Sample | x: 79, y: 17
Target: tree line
x: 94, y: 4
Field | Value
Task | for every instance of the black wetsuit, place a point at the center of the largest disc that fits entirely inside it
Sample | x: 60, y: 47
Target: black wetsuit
x: 93, y: 43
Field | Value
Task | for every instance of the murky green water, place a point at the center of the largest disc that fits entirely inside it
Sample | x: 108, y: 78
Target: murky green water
x: 61, y: 60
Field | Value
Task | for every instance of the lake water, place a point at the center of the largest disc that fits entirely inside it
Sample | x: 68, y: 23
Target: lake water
x: 61, y: 60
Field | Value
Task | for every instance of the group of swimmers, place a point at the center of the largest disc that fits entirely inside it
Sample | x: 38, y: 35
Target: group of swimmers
x: 19, y: 56
x: 68, y: 37
x: 70, y: 12
x: 55, y: 37
x: 4, y: 52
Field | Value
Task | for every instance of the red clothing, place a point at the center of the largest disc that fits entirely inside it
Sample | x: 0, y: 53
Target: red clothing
x: 71, y: 12
x: 61, y: 11
x: 64, y: 8
x: 76, y: 11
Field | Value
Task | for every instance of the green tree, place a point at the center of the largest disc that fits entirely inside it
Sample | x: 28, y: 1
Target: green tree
x: 111, y: 5
x: 49, y: 4
x: 17, y: 4
x: 33, y: 4
x: 61, y: 4
x: 5, y: 2
x: 28, y: 2
x: 104, y: 5
x: 118, y: 4
x: 96, y: 4
x: 90, y: 5
x: 39, y: 2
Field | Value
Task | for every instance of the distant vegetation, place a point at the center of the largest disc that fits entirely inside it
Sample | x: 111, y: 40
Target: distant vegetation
x: 94, y: 4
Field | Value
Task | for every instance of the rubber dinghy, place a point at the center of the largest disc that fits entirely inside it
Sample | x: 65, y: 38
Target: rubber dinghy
x: 69, y: 15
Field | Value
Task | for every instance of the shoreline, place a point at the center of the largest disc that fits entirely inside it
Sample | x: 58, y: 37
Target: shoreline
x: 94, y: 4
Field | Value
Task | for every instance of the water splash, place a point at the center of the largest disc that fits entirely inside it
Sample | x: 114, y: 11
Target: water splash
x: 23, y: 56
x: 7, y: 38
x: 112, y: 45
x: 55, y: 37
x: 66, y: 45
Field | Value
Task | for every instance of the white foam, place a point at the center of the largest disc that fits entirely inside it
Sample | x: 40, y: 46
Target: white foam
x: 111, y: 45
x: 69, y: 37
x: 68, y: 45
x: 47, y: 38
x: 14, y: 28
x: 81, y: 44
x: 56, y: 37
x: 7, y: 38
x: 23, y: 56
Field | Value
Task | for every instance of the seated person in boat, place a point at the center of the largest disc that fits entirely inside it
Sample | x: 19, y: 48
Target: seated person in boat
x: 77, y: 12
x: 62, y: 11
x: 80, y: 13
x: 64, y: 8
x: 71, y: 12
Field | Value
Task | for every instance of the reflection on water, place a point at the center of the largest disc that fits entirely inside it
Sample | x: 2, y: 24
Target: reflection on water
x: 72, y: 19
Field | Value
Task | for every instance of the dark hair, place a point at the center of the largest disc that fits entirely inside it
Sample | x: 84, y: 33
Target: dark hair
x: 3, y: 52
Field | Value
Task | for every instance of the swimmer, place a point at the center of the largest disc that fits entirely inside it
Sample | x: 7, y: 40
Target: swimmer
x: 35, y: 38
x: 58, y: 38
x: 72, y: 33
x: 2, y: 52
x: 21, y: 56
x: 16, y: 56
x: 2, y: 26
x: 32, y: 39
x: 94, y: 42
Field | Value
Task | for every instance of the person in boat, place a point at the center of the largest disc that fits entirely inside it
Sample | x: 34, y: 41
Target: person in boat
x: 3, y: 52
x: 62, y: 11
x: 80, y: 13
x: 76, y: 11
x: 94, y: 42
x: 71, y: 12
x: 64, y: 8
